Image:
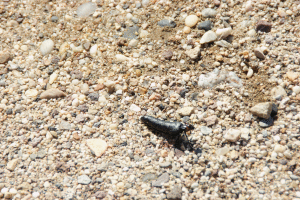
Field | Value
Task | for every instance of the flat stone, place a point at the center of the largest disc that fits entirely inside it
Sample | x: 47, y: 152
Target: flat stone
x: 86, y: 9
x: 164, y: 178
x: 24, y: 186
x: 205, y: 130
x: 245, y: 133
x: 223, y: 43
x: 278, y: 91
x: 279, y: 148
x: 191, y: 20
x: 100, y: 195
x: 263, y: 26
x: 194, y: 53
x: 4, y: 57
x: 292, y: 76
x: 41, y: 154
x: 64, y: 125
x: 211, y: 120
x: 209, y: 13
x: 186, y: 111
x: 232, y: 135
x: 262, y: 110
x: 167, y: 55
x: 31, y: 93
x: 52, y: 94
x: 222, y: 151
x: 208, y: 37
x: 175, y: 194
x: 46, y: 47
x: 98, y: 146
x: 165, y: 164
x: 11, y: 165
x: 206, y: 25
x: 259, y: 54
x: 84, y: 180
x: 265, y: 123
x: 149, y: 177
x: 223, y: 33
x: 166, y: 23
x: 131, y: 33
x: 121, y: 58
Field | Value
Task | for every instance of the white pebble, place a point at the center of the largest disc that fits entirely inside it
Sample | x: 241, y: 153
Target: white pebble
x: 93, y: 50
x: 191, y: 20
x: 46, y: 47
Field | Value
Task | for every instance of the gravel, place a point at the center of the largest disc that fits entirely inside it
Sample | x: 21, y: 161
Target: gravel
x: 76, y: 77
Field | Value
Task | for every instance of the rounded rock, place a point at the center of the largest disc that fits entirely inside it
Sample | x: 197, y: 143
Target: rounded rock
x: 191, y: 20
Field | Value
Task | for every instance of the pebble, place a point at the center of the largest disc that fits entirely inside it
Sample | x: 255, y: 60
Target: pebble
x: 133, y: 43
x: 164, y: 178
x: 54, y: 19
x: 264, y: 123
x: 186, y: 111
x: 259, y: 54
x: 86, y: 9
x: 165, y: 164
x: 84, y: 180
x: 175, y: 193
x: 296, y: 89
x: 52, y: 93
x: 149, y: 177
x: 205, y: 130
x: 209, y: 13
x: 223, y: 33
x: 208, y: 37
x: 166, y: 23
x: 144, y: 34
x: 121, y: 58
x: 262, y: 110
x: 35, y: 194
x: 278, y: 91
x: 292, y: 76
x: 206, y: 25
x: 98, y: 146
x: 4, y: 57
x: 167, y: 54
x: 135, y: 108
x: 46, y: 47
x: 223, y: 43
x: 132, y: 32
x: 31, y: 93
x: 263, y: 26
x: 222, y: 151
x: 53, y: 78
x: 191, y: 20
x: 187, y: 30
x: 11, y: 165
x: 194, y: 53
x: 279, y: 148
x: 93, y: 50
x: 232, y: 135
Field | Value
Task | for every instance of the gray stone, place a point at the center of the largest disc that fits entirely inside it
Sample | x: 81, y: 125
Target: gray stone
x: 167, y: 54
x: 41, y: 154
x: 149, y: 177
x: 206, y: 25
x: 131, y: 32
x: 262, y: 110
x: 232, y: 135
x: 32, y: 156
x: 94, y: 96
x: 84, y: 179
x: 175, y: 194
x: 294, y: 177
x: 86, y: 9
x: 54, y: 19
x: 265, y: 123
x: 205, y: 130
x: 278, y: 91
x: 209, y: 13
x: 64, y: 125
x: 164, y: 178
x: 100, y: 195
x: 166, y: 22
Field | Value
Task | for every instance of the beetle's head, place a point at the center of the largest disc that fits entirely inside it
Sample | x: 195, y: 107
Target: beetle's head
x: 186, y: 127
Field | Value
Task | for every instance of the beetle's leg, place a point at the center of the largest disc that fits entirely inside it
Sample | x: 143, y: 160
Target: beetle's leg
x: 190, y: 144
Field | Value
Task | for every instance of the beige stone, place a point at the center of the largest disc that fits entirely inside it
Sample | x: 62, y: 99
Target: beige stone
x: 11, y: 165
x: 52, y: 93
x: 262, y: 110
x: 98, y: 146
